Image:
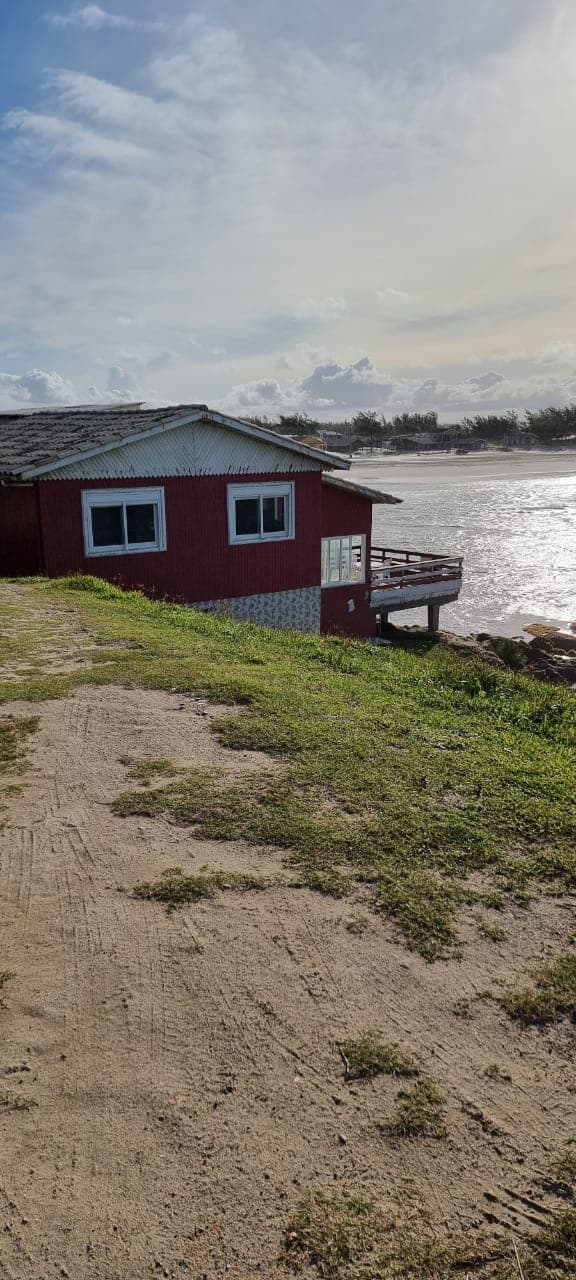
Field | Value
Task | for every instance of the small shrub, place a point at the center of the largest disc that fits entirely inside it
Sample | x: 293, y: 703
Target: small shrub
x: 552, y: 996
x: 15, y: 1102
x: 419, y: 1112
x: 368, y: 1056
x: 495, y: 1072
x: 176, y: 887
x: 494, y: 932
x: 5, y: 977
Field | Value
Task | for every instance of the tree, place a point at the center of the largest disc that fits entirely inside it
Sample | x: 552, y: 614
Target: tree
x: 493, y: 426
x: 367, y: 424
x: 552, y: 424
x: 297, y: 424
x: 411, y: 424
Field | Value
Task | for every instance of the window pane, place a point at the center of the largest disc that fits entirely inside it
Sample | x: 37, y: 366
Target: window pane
x: 274, y: 515
x: 247, y: 516
x: 325, y: 560
x: 334, y: 560
x: 107, y: 527
x: 141, y: 522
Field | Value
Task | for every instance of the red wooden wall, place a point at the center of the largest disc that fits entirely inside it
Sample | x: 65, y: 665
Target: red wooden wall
x: 344, y: 513
x: 20, y: 537
x: 199, y: 563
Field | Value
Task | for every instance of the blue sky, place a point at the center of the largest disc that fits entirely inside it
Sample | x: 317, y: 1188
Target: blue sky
x: 267, y: 206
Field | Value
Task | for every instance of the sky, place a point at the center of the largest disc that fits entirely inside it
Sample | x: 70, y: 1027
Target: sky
x: 317, y: 206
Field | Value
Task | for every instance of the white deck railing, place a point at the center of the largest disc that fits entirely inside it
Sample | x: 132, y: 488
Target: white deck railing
x: 390, y: 567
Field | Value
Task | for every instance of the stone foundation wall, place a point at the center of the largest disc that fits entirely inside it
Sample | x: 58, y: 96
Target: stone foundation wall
x: 286, y: 610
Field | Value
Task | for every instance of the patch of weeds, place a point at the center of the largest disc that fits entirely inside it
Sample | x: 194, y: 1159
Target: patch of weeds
x: 176, y: 887
x: 419, y: 1112
x: 563, y: 1169
x: 147, y: 771
x: 334, y: 1234
x: 6, y: 976
x: 424, y: 908
x: 368, y: 1056
x: 14, y: 735
x: 328, y: 880
x: 345, y: 1237
x: 15, y: 1102
x: 495, y: 1072
x: 553, y: 1248
x: 494, y: 932
x: 552, y: 996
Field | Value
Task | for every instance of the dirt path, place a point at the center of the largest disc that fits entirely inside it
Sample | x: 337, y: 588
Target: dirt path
x: 184, y: 1066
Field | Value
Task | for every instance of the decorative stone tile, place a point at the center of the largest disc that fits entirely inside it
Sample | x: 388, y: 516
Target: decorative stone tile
x: 286, y: 610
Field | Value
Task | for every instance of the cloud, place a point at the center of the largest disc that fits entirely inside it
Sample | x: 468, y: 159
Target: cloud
x: 38, y: 386
x: 385, y: 296
x: 91, y: 17
x: 320, y: 309
x: 338, y: 390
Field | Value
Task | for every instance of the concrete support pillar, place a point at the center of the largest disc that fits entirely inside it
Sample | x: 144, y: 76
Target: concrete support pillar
x: 433, y: 617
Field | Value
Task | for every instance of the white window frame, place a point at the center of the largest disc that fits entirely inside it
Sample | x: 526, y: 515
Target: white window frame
x: 123, y: 498
x: 244, y: 492
x: 346, y: 542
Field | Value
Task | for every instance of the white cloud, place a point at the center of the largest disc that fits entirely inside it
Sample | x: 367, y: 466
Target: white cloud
x: 392, y: 295
x: 91, y: 17
x: 336, y: 389
x: 318, y: 310
x: 38, y: 386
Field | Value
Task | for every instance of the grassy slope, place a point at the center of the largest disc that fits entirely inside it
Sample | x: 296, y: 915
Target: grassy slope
x: 402, y: 772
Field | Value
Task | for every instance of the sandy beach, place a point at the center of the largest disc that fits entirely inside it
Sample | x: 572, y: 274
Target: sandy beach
x: 489, y: 464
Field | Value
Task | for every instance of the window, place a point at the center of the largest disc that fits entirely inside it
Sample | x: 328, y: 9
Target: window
x: 343, y: 560
x: 260, y: 513
x: 119, y: 521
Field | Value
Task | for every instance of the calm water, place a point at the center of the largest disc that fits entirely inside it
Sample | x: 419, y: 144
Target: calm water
x: 513, y: 518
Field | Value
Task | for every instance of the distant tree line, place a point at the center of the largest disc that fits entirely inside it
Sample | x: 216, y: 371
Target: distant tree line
x: 370, y: 427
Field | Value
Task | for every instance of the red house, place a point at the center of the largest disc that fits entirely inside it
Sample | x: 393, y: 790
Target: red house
x: 192, y: 505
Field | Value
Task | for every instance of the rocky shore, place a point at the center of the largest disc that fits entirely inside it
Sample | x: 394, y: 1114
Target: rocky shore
x: 550, y: 656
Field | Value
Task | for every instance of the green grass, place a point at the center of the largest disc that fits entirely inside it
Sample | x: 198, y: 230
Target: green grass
x: 346, y: 1237
x: 147, y: 771
x: 176, y: 888
x: 552, y: 996
x: 399, y: 772
x: 419, y: 1112
x: 341, y: 1236
x: 368, y: 1055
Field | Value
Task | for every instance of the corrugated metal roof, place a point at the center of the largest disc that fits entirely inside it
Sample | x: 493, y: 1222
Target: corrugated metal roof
x: 201, y: 449
x: 374, y: 495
